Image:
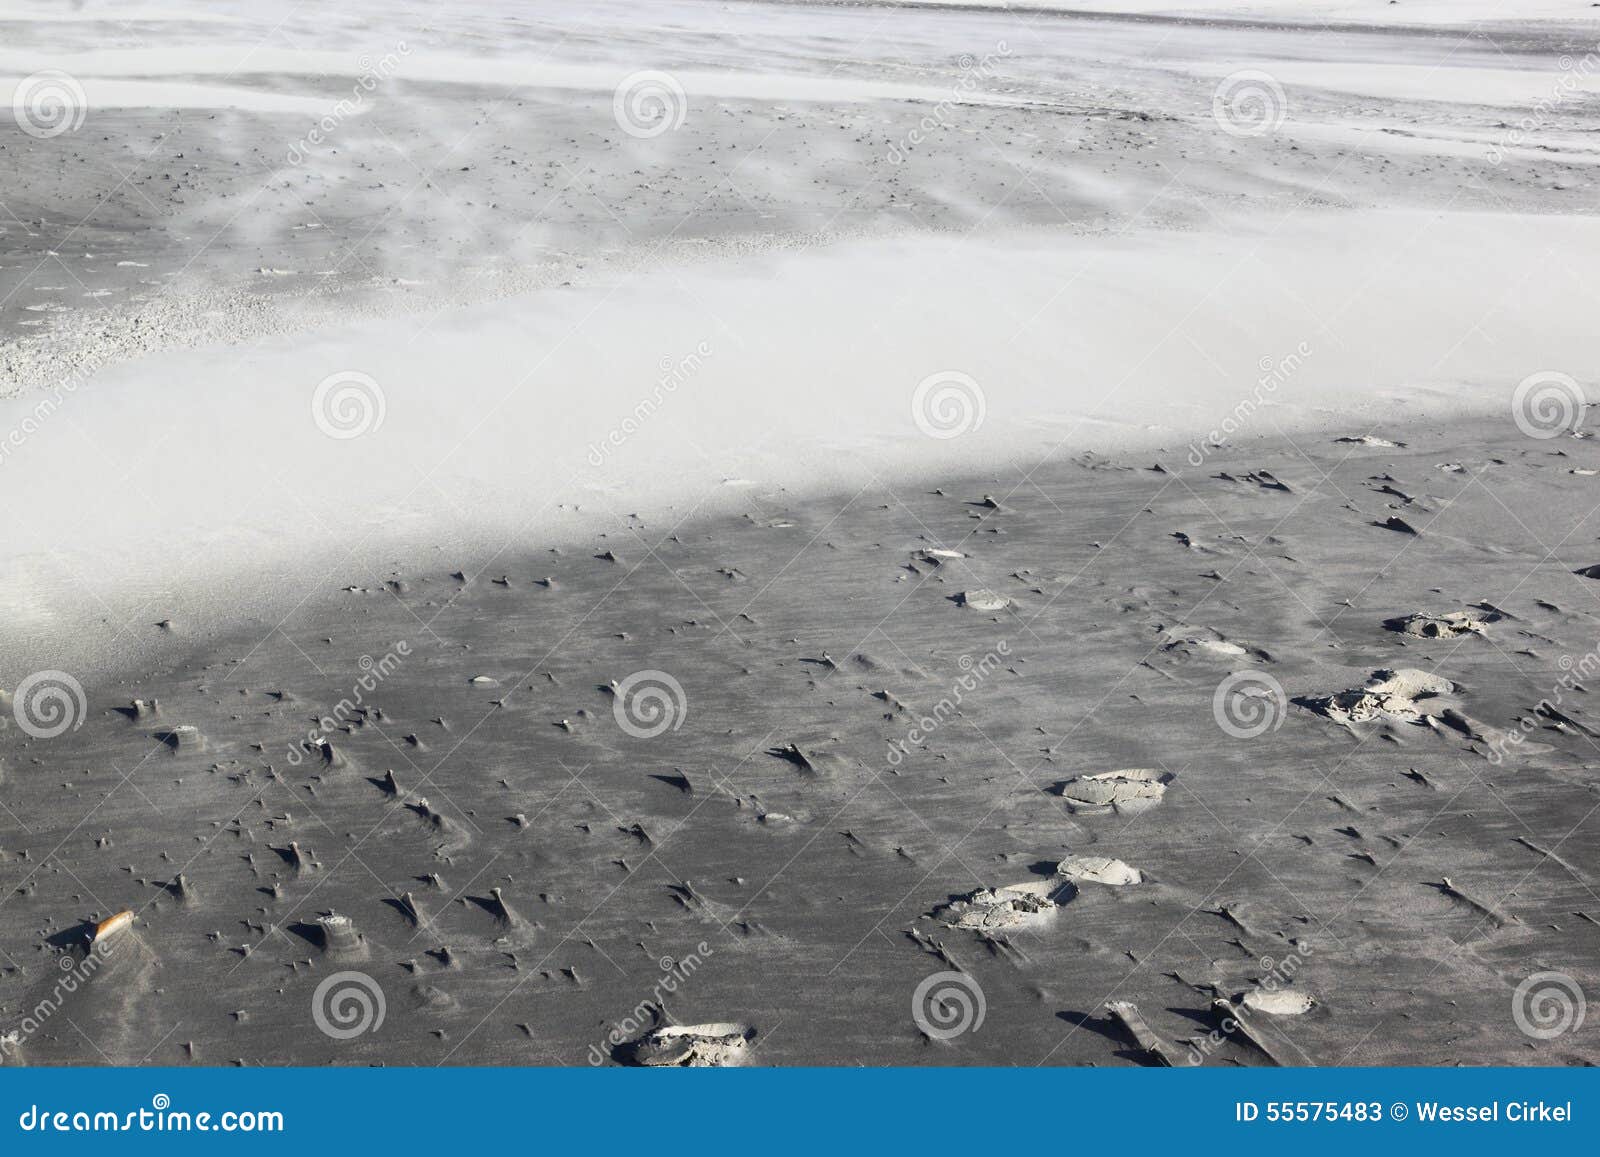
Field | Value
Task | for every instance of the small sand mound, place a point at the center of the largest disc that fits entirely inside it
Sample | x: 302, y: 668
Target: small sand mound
x: 182, y: 739
x: 1129, y: 788
x: 1279, y: 1002
x: 432, y: 998
x: 1099, y: 870
x: 339, y: 937
x: 321, y: 752
x: 693, y: 1046
x: 1394, y: 694
x: 503, y: 914
x: 1010, y: 906
x: 983, y: 599
x: 808, y: 758
x: 1262, y: 478
x: 452, y: 838
x: 1450, y: 625
x: 876, y: 665
x: 301, y: 860
x: 1396, y: 523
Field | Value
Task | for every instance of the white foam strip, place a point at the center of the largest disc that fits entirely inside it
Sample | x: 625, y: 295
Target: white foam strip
x: 509, y: 71
x: 166, y: 94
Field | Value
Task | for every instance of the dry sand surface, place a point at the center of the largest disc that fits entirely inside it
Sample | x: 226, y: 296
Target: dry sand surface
x: 786, y: 533
x: 764, y: 770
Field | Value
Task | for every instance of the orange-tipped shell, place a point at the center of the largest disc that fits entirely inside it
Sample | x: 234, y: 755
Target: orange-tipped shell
x: 115, y: 924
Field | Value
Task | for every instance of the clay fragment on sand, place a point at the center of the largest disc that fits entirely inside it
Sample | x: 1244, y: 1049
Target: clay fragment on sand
x: 1129, y: 788
x: 936, y: 556
x: 1099, y: 870
x: 1279, y: 1002
x: 1395, y: 694
x: 1450, y: 625
x: 1203, y: 641
x: 694, y: 1046
x: 1217, y: 647
x: 1009, y: 906
x: 1370, y: 440
x: 1126, y: 1013
x: 984, y: 599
